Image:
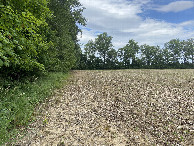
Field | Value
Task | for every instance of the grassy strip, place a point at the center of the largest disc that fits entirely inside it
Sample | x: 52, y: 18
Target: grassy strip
x: 18, y: 99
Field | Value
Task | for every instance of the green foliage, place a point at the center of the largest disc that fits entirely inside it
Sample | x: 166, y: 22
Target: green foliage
x: 174, y: 46
x: 38, y: 8
x: 35, y: 37
x: 90, y: 59
x: 20, y: 41
x: 65, y: 51
x: 18, y: 99
x: 128, y: 54
x: 39, y: 36
x: 112, y: 60
x: 99, y: 54
x: 107, y: 56
x: 103, y: 44
x: 188, y: 50
x: 149, y: 54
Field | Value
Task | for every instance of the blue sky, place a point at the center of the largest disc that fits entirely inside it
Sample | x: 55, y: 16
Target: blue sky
x: 184, y: 14
x: 153, y: 22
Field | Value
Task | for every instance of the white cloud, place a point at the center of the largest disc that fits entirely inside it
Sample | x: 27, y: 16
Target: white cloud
x: 110, y: 14
x: 188, y: 24
x: 121, y: 20
x: 176, y: 6
x: 155, y: 32
x: 86, y: 36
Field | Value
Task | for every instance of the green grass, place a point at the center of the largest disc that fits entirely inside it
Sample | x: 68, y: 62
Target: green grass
x: 19, y: 98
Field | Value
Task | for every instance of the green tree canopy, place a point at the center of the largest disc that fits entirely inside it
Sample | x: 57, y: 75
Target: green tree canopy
x: 174, y: 46
x: 128, y: 53
x: 188, y: 50
x: 103, y: 44
x: 21, y: 42
x: 64, y: 29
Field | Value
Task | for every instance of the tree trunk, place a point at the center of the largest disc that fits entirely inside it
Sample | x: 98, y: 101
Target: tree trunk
x: 133, y: 61
x: 104, y: 59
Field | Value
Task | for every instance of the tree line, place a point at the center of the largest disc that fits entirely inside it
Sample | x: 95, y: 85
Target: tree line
x: 39, y: 36
x: 100, y: 54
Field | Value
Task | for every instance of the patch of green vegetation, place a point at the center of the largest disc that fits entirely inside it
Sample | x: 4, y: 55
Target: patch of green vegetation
x: 19, y: 98
x: 61, y: 144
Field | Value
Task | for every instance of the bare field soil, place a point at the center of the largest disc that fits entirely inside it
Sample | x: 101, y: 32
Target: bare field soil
x: 122, y: 107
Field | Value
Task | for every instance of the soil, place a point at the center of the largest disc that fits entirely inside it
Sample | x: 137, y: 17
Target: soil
x: 123, y: 107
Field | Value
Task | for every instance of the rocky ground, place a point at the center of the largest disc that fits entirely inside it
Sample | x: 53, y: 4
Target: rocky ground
x: 124, y: 107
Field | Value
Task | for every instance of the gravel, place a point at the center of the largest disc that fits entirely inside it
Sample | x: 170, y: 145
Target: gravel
x: 122, y: 107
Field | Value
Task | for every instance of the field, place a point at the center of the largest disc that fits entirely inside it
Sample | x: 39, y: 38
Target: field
x: 123, y: 107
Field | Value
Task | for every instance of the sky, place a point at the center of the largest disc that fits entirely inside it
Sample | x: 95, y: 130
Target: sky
x: 152, y: 22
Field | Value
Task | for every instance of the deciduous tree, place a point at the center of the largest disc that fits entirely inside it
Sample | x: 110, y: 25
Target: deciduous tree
x: 103, y: 44
x: 128, y: 53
